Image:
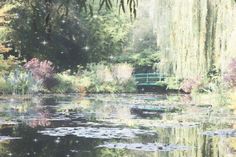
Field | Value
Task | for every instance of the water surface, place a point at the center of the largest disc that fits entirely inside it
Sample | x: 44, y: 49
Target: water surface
x: 129, y: 125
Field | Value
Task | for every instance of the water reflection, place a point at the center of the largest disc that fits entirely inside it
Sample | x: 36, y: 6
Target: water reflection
x: 100, y: 125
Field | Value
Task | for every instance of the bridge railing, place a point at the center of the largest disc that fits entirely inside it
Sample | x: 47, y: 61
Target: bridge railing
x: 149, y: 78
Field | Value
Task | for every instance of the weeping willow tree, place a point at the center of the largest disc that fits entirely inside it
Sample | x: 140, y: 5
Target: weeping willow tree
x: 195, y: 35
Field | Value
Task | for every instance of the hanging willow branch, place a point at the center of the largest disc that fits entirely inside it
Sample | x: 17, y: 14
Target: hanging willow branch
x: 62, y: 7
x: 88, y: 5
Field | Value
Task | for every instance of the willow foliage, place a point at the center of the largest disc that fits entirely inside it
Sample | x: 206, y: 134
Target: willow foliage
x: 195, y: 36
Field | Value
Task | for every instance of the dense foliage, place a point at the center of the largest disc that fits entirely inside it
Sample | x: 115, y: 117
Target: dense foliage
x: 98, y: 78
x: 144, y: 61
x: 73, y: 39
x: 41, y: 70
x: 194, y: 41
x: 93, y: 35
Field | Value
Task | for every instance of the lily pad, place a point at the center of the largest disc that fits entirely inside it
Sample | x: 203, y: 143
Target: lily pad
x: 6, y: 138
x: 150, y: 147
x: 150, y: 110
x: 96, y: 132
x: 221, y: 133
x: 7, y: 123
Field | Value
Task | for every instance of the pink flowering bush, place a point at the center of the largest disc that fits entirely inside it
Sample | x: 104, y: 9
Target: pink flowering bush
x: 230, y: 74
x: 189, y: 84
x: 41, y: 70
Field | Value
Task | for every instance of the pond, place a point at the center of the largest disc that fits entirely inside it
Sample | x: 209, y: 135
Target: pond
x: 102, y: 125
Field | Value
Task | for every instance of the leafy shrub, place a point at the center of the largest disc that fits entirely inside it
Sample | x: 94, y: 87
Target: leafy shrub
x: 41, y: 70
x: 122, y: 72
x: 15, y: 79
x: 128, y: 86
x: 172, y: 83
x: 230, y: 74
x: 110, y: 78
x: 4, y: 86
x: 103, y: 73
x: 84, y: 83
x: 65, y: 83
x: 142, y: 62
x: 98, y: 78
x: 50, y: 83
x: 8, y: 64
x: 62, y: 87
x: 106, y: 87
x: 21, y: 82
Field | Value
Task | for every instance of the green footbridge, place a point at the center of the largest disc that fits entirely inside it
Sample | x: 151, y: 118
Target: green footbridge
x: 149, y: 79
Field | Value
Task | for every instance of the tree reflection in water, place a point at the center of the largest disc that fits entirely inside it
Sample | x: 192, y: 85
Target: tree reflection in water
x: 184, y: 127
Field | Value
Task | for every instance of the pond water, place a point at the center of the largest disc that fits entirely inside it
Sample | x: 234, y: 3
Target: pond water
x: 124, y: 125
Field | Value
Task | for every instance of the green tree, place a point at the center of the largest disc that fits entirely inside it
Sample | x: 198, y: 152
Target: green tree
x: 64, y: 32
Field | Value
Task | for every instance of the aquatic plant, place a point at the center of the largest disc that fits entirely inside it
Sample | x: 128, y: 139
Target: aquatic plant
x: 98, y: 133
x: 152, y: 147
